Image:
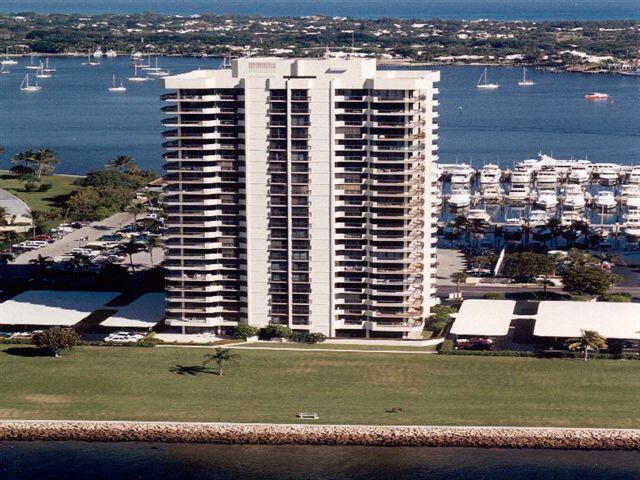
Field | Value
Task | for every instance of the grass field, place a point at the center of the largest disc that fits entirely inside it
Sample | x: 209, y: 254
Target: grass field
x: 272, y: 386
x: 62, y: 185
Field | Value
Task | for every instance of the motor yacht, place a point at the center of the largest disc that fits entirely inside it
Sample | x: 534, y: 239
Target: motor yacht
x: 462, y: 174
x: 537, y: 218
x: 547, y: 199
x: 631, y: 226
x: 492, y: 193
x: 609, y: 176
x: 568, y: 218
x: 521, y: 175
x: 579, y: 174
x: 547, y: 176
x: 628, y: 193
x: 459, y: 198
x: 634, y: 176
x: 573, y: 197
x: 605, y: 200
x: 478, y: 214
x: 490, y: 174
x: 518, y: 193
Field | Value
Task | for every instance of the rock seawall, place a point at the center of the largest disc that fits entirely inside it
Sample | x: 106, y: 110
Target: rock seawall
x: 277, y: 434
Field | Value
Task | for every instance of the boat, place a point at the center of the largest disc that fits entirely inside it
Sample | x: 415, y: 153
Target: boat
x: 97, y: 53
x: 462, y: 174
x: 547, y: 176
x: 521, y: 175
x: 136, y: 78
x: 579, y: 174
x: 596, y: 96
x: 111, y: 54
x: 47, y: 68
x: 7, y: 60
x: 492, y: 192
x: 32, y: 66
x: 149, y: 68
x: 605, y: 200
x: 568, y: 218
x: 4, y: 70
x: 117, y: 89
x: 518, y: 193
x: 490, y: 174
x: 484, y: 83
x: 478, y: 214
x: 538, y: 218
x: 25, y: 87
x: 90, y: 61
x: 547, y: 199
x: 158, y: 73
x: 40, y: 73
x: 634, y: 176
x: 573, y: 197
x: 137, y: 55
x: 609, y: 176
x: 525, y: 82
x: 631, y: 225
x: 459, y: 198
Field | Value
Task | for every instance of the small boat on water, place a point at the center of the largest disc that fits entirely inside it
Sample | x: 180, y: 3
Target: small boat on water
x: 26, y: 87
x: 525, y: 82
x: 4, y: 70
x: 596, y: 96
x: 484, y: 83
x: 605, y: 200
x: 115, y: 88
x: 32, y: 66
x: 8, y: 60
x: 631, y: 226
x: 137, y: 78
x: 91, y: 62
x: 47, y: 68
x: 41, y: 73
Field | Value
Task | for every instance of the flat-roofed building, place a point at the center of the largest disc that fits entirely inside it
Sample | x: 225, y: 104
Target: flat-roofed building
x: 299, y: 192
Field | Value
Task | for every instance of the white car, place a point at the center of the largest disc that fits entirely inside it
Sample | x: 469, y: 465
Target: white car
x: 124, y: 337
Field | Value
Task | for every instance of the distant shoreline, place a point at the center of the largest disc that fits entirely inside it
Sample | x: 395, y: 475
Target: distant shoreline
x: 344, y: 435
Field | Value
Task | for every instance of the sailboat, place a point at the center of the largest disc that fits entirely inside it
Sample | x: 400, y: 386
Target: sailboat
x: 40, y: 73
x: 115, y: 89
x: 136, y: 78
x: 25, y: 87
x: 32, y: 66
x: 4, y: 70
x: 7, y: 60
x: 484, y: 83
x: 149, y: 68
x: 47, y: 68
x: 525, y: 82
x: 90, y: 61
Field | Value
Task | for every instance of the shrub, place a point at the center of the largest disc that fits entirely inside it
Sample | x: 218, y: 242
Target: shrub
x: 443, y: 309
x: 308, y: 337
x: 615, y: 297
x: 45, y: 187
x: 278, y: 331
x: 31, y: 186
x: 245, y: 331
x: 56, y: 339
x: 446, y: 346
x: 150, y: 340
x: 580, y: 298
x: 493, y: 296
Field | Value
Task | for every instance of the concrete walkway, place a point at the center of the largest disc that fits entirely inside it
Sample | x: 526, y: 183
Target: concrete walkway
x: 288, y: 349
x: 17, y: 211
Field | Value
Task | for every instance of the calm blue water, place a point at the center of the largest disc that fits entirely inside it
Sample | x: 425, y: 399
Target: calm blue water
x: 75, y: 115
x: 98, y: 461
x: 469, y: 9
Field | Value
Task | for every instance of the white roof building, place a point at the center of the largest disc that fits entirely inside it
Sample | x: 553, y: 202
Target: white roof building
x: 489, y: 318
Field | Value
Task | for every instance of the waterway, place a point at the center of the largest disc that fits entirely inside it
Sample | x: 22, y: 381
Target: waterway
x: 78, y: 118
x: 468, y: 9
x: 97, y: 461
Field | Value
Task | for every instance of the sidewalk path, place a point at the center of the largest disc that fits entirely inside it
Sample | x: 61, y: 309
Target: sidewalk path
x: 330, y: 350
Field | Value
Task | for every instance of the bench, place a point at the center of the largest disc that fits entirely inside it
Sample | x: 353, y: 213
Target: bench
x: 308, y: 416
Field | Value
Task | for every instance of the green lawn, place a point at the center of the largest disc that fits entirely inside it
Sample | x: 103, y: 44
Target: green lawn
x: 62, y: 185
x: 272, y: 386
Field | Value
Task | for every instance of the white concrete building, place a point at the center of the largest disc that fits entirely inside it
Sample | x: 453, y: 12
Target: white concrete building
x: 299, y: 193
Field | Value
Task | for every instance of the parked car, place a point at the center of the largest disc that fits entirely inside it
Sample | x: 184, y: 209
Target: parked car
x: 481, y: 344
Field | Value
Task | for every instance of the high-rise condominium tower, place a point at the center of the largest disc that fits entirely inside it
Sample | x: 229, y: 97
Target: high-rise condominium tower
x: 299, y: 193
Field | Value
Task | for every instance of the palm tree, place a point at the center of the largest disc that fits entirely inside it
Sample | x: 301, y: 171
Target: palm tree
x: 131, y: 249
x: 4, y: 213
x: 24, y: 158
x: 44, y: 162
x: 477, y: 229
x: 589, y: 340
x: 152, y: 242
x: 136, y: 209
x: 458, y: 277
x: 555, y: 226
x: 220, y: 356
x: 122, y: 163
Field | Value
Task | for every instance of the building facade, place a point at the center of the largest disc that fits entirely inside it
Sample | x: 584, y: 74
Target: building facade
x: 299, y: 192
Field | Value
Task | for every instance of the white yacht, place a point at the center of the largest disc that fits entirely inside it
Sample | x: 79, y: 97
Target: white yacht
x: 8, y: 60
x: 547, y: 199
x: 111, y: 54
x: 483, y: 82
x: 605, y: 200
x: 459, y: 198
x: 492, y: 193
x: 568, y: 218
x: 631, y: 225
x: 547, y: 176
x: 117, y: 88
x: 48, y: 68
x: 137, y: 78
x: 521, y: 175
x: 32, y: 66
x: 4, y: 70
x: 573, y: 197
x: 609, y: 176
x: 518, y: 193
x: 634, y: 176
x: 41, y: 73
x: 97, y: 53
x: 525, y: 82
x: 478, y: 214
x: 463, y: 174
x: 490, y: 174
x: 538, y: 218
x: 579, y: 174
x: 91, y: 62
x: 629, y: 192
x: 25, y: 87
